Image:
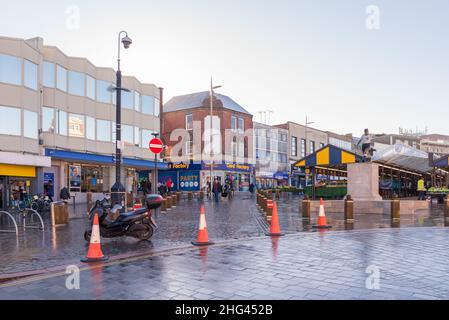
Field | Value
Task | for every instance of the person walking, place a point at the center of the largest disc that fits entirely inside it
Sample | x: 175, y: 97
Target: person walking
x: 48, y: 187
x: 421, y: 189
x: 64, y: 194
x: 216, y: 189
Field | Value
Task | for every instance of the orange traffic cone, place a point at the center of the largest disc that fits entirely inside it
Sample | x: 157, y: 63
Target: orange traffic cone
x: 275, y: 228
x: 94, y: 253
x: 322, y: 223
x: 203, y: 238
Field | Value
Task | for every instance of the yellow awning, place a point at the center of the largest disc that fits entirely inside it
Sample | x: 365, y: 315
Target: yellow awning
x: 14, y: 170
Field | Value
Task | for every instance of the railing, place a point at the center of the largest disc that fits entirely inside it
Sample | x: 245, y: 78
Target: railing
x: 13, y: 220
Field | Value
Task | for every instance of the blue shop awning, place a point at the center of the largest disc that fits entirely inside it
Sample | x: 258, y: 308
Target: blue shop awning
x: 101, y: 159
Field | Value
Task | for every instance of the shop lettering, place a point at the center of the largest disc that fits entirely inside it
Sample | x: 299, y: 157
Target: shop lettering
x: 179, y: 166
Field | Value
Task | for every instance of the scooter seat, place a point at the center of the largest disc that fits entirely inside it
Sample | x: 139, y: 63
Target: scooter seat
x: 133, y: 213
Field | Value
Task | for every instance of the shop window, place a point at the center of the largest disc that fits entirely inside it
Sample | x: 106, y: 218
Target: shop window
x: 62, y: 123
x: 92, y: 179
x: 104, y: 93
x: 104, y: 130
x: 90, y: 128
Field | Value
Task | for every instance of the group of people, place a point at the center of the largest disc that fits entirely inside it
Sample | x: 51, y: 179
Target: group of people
x: 219, y: 189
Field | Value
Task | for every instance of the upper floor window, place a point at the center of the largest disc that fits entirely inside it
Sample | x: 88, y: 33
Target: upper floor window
x: 303, y: 148
x: 241, y: 125
x: 128, y: 134
x: 127, y: 99
x: 321, y: 145
x: 29, y: 124
x: 146, y: 138
x: 77, y: 83
x: 30, y: 75
x: 90, y: 87
x: 156, y: 107
x: 76, y: 125
x: 10, y: 123
x: 189, y: 121
x: 136, y: 101
x: 48, y: 119
x: 312, y: 146
x: 48, y: 74
x: 10, y: 69
x: 148, y: 105
x: 234, y: 124
x: 103, y: 130
x: 61, y: 78
x: 136, y: 136
x: 61, y: 124
x: 104, y: 93
x: 294, y: 146
x: 90, y: 128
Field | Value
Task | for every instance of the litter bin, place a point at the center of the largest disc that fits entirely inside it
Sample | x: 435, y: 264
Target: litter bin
x: 59, y: 213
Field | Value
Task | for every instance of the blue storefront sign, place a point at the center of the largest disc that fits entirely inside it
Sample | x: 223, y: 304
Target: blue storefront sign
x: 189, y: 180
x: 169, y: 176
x: 49, y: 176
x: 280, y: 175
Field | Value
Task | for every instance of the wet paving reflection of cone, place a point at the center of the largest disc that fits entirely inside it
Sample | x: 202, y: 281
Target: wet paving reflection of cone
x: 275, y: 246
x: 275, y: 228
x: 203, y: 256
x: 322, y: 223
x: 94, y: 254
x: 96, y: 273
x: 203, y: 238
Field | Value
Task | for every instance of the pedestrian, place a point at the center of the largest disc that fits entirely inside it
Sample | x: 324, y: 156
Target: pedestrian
x: 251, y: 187
x: 169, y: 185
x: 143, y: 186
x: 48, y: 188
x: 149, y: 187
x: 421, y: 189
x: 216, y: 189
x: 64, y: 194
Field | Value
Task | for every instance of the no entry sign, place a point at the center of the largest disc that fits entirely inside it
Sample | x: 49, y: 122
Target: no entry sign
x: 156, y: 146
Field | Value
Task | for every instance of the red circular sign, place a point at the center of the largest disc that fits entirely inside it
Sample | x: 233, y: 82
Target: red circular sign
x: 156, y: 146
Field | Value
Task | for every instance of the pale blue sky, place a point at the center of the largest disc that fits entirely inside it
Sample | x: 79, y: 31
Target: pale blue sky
x: 295, y: 57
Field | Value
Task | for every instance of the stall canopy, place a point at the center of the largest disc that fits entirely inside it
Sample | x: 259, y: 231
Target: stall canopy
x: 442, y: 162
x: 403, y: 157
x: 328, y: 156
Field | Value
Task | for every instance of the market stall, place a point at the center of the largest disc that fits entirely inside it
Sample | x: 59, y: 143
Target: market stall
x: 325, y: 172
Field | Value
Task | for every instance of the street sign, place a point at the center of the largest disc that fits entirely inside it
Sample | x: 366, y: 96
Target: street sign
x: 156, y: 146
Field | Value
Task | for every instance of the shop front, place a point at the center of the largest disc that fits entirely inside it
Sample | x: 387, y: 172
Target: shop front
x: 19, y: 176
x: 86, y: 173
x: 238, y: 175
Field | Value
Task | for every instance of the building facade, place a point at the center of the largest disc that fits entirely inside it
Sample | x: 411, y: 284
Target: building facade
x: 189, y: 139
x: 271, y: 156
x: 57, y: 116
x: 435, y: 143
x: 302, y: 141
x: 341, y: 141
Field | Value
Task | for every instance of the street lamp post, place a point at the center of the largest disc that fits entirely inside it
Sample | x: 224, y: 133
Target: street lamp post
x: 117, y: 189
x: 305, y: 155
x: 211, y: 98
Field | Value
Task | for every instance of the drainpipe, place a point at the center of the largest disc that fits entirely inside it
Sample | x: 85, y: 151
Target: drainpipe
x: 161, y: 120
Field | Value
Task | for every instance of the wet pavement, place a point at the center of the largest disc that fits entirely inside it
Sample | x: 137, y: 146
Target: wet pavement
x: 405, y: 263
x: 237, y: 219
x: 35, y: 249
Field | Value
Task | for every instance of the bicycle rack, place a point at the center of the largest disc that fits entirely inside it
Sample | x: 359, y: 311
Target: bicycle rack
x: 13, y: 220
x: 23, y: 215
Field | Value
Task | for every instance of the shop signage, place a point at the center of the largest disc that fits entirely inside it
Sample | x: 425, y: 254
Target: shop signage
x: 75, y: 178
x: 229, y: 167
x: 189, y: 181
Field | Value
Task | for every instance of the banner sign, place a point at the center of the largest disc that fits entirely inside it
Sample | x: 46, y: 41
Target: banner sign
x: 189, y: 180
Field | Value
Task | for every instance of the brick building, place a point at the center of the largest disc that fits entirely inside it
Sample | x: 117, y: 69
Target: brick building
x: 186, y: 132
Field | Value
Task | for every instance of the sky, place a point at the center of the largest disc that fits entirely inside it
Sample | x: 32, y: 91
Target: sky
x: 316, y: 58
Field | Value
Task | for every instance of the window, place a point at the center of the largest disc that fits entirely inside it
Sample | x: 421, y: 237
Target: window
x: 48, y: 119
x: 48, y: 74
x: 241, y: 124
x: 10, y: 123
x: 136, y: 136
x: 90, y: 128
x: 128, y: 134
x: 103, y: 130
x: 156, y: 107
x: 303, y: 148
x: 76, y: 125
x: 321, y: 145
x: 127, y: 100
x: 312, y: 146
x: 241, y: 150
x: 189, y: 147
x: 233, y: 123
x: 146, y: 138
x: 30, y: 75
x: 189, y: 121
x: 77, y: 83
x: 10, y: 69
x: 136, y: 101
x: 61, y: 78
x: 104, y: 94
x: 147, y: 105
x: 62, y: 123
x: 294, y: 146
x: 29, y: 124
x: 90, y: 87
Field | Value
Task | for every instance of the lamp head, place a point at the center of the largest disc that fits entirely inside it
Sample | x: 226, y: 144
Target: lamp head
x: 126, y: 41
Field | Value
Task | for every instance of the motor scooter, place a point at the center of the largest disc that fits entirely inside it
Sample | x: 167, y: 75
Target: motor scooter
x: 138, y: 223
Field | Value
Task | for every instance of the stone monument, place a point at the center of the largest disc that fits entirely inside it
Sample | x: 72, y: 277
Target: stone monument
x: 363, y: 181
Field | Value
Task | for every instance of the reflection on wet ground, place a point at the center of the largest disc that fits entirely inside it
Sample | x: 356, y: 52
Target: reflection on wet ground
x: 229, y: 219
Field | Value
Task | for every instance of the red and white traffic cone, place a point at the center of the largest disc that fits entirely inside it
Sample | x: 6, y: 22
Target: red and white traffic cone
x: 94, y: 254
x: 203, y: 238
x: 322, y: 223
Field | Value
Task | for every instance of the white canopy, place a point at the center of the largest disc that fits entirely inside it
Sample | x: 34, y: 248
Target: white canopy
x: 405, y: 157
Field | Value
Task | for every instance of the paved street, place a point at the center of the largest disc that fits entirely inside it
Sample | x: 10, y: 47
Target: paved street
x: 412, y: 264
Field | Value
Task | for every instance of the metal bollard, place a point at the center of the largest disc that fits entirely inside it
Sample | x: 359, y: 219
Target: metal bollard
x: 395, y: 208
x: 169, y: 203
x: 349, y: 209
x: 164, y: 205
x: 306, y: 208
